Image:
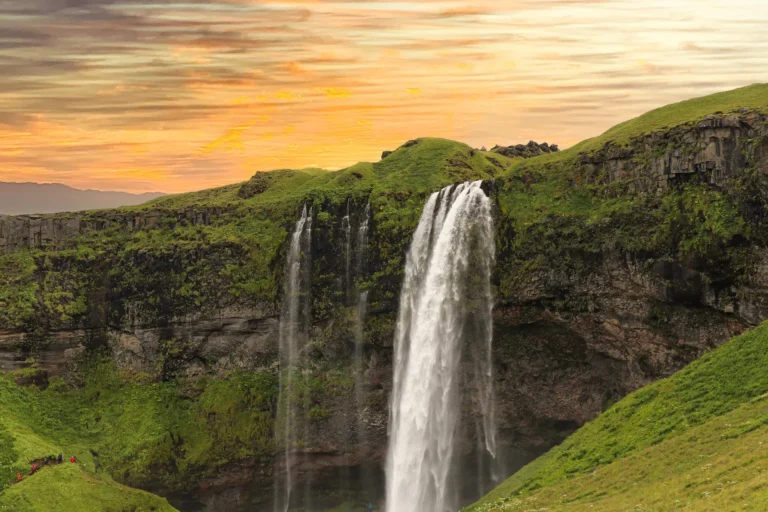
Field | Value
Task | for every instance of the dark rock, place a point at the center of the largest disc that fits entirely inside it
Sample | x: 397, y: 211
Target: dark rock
x: 385, y: 154
x: 526, y: 150
x: 709, y: 153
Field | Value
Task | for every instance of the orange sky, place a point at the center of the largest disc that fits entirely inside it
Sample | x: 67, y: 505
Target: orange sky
x: 177, y: 95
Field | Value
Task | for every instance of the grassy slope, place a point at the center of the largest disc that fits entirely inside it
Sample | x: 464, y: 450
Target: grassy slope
x: 36, y: 424
x: 694, y: 441
x: 71, y: 487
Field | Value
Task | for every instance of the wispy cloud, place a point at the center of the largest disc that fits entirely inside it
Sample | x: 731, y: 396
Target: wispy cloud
x: 184, y: 94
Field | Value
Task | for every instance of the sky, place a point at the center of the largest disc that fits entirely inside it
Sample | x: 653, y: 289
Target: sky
x: 179, y: 95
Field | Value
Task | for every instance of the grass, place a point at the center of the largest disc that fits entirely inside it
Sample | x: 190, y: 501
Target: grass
x: 693, y: 441
x: 35, y: 424
x: 160, y: 435
x: 71, y: 487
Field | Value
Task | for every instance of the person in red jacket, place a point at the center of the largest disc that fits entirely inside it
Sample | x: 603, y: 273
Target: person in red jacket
x: 18, y: 477
x: 72, y: 460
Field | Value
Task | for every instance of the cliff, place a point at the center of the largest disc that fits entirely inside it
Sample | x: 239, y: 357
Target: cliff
x: 619, y: 261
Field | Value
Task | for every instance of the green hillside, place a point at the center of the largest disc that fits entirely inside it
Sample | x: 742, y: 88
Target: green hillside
x: 142, y: 433
x: 69, y: 487
x: 695, y: 441
x: 35, y: 424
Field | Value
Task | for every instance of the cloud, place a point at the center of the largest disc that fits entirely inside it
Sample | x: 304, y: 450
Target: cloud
x: 293, y: 68
x: 337, y: 93
x: 464, y: 11
x: 173, y: 87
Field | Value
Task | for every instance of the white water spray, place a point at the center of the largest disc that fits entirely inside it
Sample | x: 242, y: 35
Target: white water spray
x: 294, y: 327
x: 445, y: 302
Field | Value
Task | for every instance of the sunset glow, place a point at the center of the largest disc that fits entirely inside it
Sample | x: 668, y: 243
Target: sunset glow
x: 168, y: 95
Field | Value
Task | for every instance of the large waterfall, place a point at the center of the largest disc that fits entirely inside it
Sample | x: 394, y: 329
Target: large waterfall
x: 294, y: 327
x: 445, y: 304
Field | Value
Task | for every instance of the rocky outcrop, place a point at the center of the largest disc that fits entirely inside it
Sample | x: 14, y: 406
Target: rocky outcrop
x: 526, y: 150
x: 61, y: 231
x: 29, y: 231
x: 713, y: 151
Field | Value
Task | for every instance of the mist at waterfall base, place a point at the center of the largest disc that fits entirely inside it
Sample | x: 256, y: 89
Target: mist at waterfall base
x: 442, y: 393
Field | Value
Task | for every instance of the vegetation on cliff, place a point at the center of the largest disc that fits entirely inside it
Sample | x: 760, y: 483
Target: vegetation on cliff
x: 694, y: 441
x: 143, y: 433
x: 36, y: 424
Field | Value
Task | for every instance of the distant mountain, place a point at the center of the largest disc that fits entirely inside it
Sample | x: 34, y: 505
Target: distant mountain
x: 25, y: 198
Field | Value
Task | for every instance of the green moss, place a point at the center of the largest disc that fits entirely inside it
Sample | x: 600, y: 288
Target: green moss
x: 163, y: 432
x: 146, y: 433
x: 17, y: 289
x: 317, y: 413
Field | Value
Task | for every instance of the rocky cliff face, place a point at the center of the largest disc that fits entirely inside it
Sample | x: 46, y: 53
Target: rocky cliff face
x: 60, y: 231
x: 572, y: 334
x: 716, y: 151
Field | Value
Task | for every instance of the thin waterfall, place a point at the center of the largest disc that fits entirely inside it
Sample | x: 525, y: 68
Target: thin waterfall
x: 360, y: 314
x: 294, y: 328
x: 346, y: 228
x: 445, y: 304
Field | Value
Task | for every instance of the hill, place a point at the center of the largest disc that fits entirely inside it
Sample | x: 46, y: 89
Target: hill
x: 695, y: 441
x: 36, y: 424
x: 39, y: 198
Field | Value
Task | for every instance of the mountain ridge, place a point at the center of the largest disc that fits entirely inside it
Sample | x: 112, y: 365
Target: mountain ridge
x: 30, y: 198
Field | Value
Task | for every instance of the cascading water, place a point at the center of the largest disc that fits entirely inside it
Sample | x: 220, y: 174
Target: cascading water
x: 294, y: 328
x: 445, y: 301
x: 361, y: 312
x: 346, y: 228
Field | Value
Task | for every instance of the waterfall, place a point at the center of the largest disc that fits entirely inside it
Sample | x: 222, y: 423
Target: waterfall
x: 346, y: 228
x: 294, y: 328
x: 445, y: 302
x: 359, y: 321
